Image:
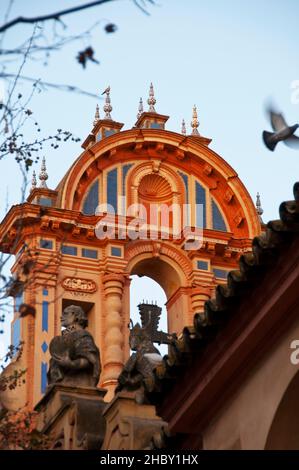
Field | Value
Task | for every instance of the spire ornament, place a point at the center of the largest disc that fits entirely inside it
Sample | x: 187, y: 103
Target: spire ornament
x: 107, y: 106
x: 33, y: 181
x: 97, y: 115
x: 151, y: 100
x: 259, y: 208
x: 194, y: 122
x: 140, y: 108
x: 43, y: 176
x: 183, y: 128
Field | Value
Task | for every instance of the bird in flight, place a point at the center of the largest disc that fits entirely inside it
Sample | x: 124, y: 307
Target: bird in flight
x: 282, y: 132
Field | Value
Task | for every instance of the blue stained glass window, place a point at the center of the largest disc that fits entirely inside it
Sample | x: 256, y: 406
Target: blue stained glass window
x: 45, y: 315
x: 203, y: 265
x: 44, y: 347
x: 92, y: 199
x: 218, y: 221
x: 115, y: 251
x: 19, y: 300
x: 220, y: 273
x: 44, y: 381
x: 16, y: 333
x: 126, y: 169
x: 200, y: 195
x: 69, y: 250
x: 88, y: 253
x: 185, y: 179
x: 45, y: 201
x: 45, y: 292
x: 112, y: 188
x: 108, y: 132
x: 46, y: 244
x: 156, y: 125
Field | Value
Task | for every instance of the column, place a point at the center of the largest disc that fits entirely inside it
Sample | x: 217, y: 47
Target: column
x: 113, y: 353
x: 199, y: 295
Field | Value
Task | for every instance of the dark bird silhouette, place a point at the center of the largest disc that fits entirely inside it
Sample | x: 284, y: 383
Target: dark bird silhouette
x: 84, y: 56
x: 110, y: 28
x: 107, y: 90
x: 282, y: 132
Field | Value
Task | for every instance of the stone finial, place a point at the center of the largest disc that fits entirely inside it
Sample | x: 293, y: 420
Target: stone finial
x: 97, y: 115
x: 258, y: 206
x: 107, y: 106
x: 140, y: 108
x: 194, y: 122
x: 43, y: 176
x: 151, y: 100
x: 33, y: 181
x: 183, y: 128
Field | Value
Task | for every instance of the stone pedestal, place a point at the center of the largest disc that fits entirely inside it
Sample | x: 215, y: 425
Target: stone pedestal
x: 130, y: 426
x: 72, y: 417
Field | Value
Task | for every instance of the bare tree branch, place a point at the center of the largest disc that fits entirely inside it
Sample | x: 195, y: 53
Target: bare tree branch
x: 51, y: 16
x: 57, y: 86
x: 55, y: 46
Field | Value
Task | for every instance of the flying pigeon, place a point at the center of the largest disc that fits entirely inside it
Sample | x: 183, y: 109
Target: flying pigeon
x: 106, y: 91
x: 282, y: 132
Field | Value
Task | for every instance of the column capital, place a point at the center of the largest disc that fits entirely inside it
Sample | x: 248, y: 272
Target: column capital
x: 114, y: 278
x: 203, y: 290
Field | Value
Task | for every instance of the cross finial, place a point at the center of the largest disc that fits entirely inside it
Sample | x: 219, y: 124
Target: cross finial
x: 194, y: 122
x: 258, y: 206
x: 140, y: 108
x: 96, y: 115
x: 151, y: 100
x: 107, y: 106
x: 33, y: 181
x: 183, y: 128
x: 43, y: 176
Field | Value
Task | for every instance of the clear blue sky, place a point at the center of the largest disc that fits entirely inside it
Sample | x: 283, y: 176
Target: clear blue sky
x: 228, y: 57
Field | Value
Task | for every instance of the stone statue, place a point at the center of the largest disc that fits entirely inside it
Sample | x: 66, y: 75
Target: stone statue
x: 138, y: 372
x: 75, y: 359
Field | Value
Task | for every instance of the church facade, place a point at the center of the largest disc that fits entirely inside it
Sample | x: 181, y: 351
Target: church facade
x: 145, y: 201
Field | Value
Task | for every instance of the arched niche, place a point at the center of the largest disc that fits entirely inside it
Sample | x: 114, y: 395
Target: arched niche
x: 160, y: 271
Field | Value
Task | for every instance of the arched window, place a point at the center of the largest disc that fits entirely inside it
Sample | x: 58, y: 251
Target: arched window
x: 218, y: 221
x: 112, y: 188
x: 186, y: 184
x: 185, y: 179
x: 125, y: 171
x: 200, y: 196
x: 92, y: 199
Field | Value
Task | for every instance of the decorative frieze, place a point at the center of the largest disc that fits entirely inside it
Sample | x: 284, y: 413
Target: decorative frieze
x: 79, y: 285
